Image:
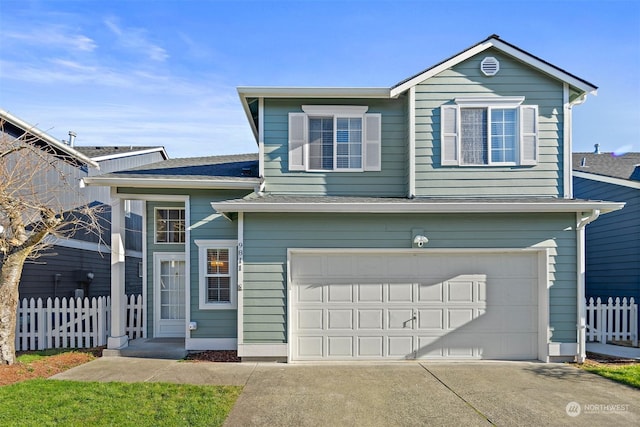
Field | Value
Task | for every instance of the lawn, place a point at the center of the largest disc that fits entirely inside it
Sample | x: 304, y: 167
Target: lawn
x: 48, y: 402
x: 625, y: 374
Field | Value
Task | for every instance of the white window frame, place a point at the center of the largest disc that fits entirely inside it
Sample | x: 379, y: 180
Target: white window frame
x: 489, y: 104
x: 528, y: 132
x: 336, y: 112
x: 155, y: 224
x: 232, y: 246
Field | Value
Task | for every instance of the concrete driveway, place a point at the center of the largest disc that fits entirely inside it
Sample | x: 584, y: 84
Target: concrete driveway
x: 478, y: 393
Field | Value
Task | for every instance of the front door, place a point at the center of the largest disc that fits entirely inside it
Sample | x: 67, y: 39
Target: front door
x: 169, y: 286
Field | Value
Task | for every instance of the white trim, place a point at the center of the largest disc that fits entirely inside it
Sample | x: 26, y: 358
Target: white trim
x: 155, y: 224
x: 562, y: 349
x: 490, y: 101
x: 607, y: 179
x: 157, y: 258
x: 432, y: 206
x: 145, y: 271
x: 187, y: 266
x: 439, y: 68
x: 566, y: 143
x: 244, y: 183
x: 81, y: 244
x: 263, y: 350
x: 240, y: 280
x: 210, y: 344
x: 156, y: 197
x: 412, y: 141
x: 131, y: 154
x: 26, y: 127
x: 261, y: 137
x: 499, y: 45
x: 312, y: 92
x: 232, y: 246
x: 335, y: 110
x: 543, y: 280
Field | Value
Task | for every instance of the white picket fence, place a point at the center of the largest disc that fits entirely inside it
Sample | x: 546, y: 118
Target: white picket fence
x: 72, y: 322
x: 614, y: 321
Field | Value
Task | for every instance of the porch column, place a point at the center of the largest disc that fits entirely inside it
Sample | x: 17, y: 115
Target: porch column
x: 117, y: 335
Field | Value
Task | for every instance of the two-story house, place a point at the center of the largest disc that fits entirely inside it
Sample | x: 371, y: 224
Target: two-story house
x: 432, y: 220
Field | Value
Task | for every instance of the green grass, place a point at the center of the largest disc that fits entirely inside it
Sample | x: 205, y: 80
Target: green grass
x: 626, y: 374
x: 38, y: 355
x: 71, y: 403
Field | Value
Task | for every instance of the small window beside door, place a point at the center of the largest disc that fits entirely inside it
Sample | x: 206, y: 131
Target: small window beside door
x: 170, y: 225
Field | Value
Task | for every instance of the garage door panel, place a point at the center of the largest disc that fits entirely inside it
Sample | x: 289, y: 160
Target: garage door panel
x: 400, y: 319
x: 430, y: 292
x: 400, y: 293
x: 339, y: 319
x: 340, y: 293
x: 370, y: 293
x: 371, y: 319
x: 433, y: 306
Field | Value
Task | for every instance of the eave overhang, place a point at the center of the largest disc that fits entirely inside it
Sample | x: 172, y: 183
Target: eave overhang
x: 413, y: 206
x: 182, y: 183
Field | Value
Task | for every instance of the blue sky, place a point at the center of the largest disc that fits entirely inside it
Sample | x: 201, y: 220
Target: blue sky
x: 165, y: 72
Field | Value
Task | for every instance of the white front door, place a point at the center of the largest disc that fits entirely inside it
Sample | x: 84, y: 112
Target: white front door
x: 169, y: 294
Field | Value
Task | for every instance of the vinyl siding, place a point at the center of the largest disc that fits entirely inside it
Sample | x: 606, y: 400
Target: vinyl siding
x: 206, y: 224
x: 612, y: 242
x: 390, y: 181
x: 267, y: 237
x: 464, y: 80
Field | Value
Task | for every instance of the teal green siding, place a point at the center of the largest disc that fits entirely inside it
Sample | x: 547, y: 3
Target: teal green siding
x: 207, y: 225
x: 152, y: 248
x: 466, y: 79
x: 391, y: 181
x: 268, y: 236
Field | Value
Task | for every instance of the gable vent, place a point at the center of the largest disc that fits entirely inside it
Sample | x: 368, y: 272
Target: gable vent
x: 490, y: 66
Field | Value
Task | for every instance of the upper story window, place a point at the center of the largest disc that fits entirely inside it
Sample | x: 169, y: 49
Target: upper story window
x: 170, y: 225
x: 334, y: 138
x: 489, y: 131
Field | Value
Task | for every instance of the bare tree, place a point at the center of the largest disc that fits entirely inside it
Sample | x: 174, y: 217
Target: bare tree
x: 40, y: 200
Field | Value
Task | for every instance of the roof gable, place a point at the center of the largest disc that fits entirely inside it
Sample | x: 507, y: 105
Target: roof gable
x: 495, y: 42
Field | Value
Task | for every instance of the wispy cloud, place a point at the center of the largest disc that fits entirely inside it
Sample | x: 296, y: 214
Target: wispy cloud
x: 135, y: 39
x: 53, y: 35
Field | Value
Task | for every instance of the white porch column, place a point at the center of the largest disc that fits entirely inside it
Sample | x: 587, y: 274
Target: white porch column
x: 117, y: 337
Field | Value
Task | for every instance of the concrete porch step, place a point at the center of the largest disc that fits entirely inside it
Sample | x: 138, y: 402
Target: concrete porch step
x: 151, y: 348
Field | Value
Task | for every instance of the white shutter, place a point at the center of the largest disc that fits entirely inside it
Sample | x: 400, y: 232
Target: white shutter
x: 372, y: 142
x: 528, y: 134
x: 297, y: 139
x: 449, y: 135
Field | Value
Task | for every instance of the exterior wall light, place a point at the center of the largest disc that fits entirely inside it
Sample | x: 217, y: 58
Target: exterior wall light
x: 420, y: 240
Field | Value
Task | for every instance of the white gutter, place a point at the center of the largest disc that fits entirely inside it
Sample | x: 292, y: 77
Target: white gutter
x: 313, y: 92
x: 607, y: 179
x: 170, y: 183
x: 54, y: 142
x: 131, y: 154
x: 415, y: 207
x: 581, y: 301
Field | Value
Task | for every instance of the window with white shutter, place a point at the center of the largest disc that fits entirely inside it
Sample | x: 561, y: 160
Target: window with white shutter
x: 338, y: 138
x: 489, y: 132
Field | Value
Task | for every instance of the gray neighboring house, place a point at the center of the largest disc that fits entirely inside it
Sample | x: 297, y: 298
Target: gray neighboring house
x: 68, y: 265
x: 613, y: 242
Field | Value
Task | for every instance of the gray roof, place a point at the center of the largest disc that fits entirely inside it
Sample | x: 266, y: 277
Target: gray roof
x: 194, y: 168
x: 625, y: 166
x: 99, y: 151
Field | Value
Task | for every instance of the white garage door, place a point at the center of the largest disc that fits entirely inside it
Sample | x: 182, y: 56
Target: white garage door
x: 414, y: 305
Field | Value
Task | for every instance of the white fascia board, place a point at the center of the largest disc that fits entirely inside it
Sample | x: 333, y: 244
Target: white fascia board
x: 493, y: 42
x: 247, y: 112
x: 47, y: 138
x: 313, y: 92
x: 440, y: 68
x: 131, y: 154
x: 607, y: 179
x: 169, y: 183
x: 431, y: 207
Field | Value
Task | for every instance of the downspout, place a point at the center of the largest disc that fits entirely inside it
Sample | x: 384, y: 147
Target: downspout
x: 261, y: 144
x: 568, y: 138
x: 582, y: 222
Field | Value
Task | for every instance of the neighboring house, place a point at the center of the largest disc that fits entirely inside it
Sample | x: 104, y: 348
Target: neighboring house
x: 431, y: 219
x: 613, y: 242
x: 83, y: 262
